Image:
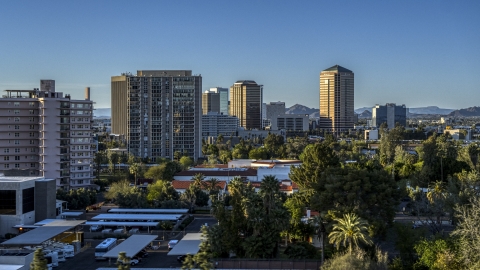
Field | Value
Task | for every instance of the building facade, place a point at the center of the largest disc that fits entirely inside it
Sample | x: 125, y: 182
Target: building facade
x: 47, y: 134
x: 246, y: 98
x: 214, y: 124
x: 290, y: 122
x: 224, y: 100
x: 210, y: 102
x: 159, y: 112
x: 336, y: 99
x: 391, y: 114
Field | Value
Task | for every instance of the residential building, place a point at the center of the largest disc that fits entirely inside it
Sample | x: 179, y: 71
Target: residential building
x: 159, y: 112
x: 290, y: 122
x: 214, y: 124
x: 224, y: 100
x: 246, y: 98
x: 44, y: 133
x: 391, y: 114
x: 336, y: 99
x: 210, y: 102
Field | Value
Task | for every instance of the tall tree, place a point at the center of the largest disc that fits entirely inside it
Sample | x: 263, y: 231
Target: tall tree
x: 349, y: 230
x: 39, y: 262
x: 134, y: 169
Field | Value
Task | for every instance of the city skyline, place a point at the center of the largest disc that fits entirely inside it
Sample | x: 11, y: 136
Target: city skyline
x: 418, y: 54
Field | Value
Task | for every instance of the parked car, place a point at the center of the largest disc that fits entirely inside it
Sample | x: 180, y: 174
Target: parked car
x: 107, y: 231
x: 134, y: 230
x: 119, y: 231
x: 132, y: 261
x: 172, y: 243
x: 96, y: 228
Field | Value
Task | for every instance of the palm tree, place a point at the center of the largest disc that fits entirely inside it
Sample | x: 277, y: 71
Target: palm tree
x: 349, y: 229
x: 134, y: 168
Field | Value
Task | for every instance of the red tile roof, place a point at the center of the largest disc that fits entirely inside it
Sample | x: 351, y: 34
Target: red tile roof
x: 178, y: 184
x: 213, y: 173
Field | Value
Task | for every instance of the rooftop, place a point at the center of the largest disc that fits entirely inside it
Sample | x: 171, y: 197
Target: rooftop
x: 338, y: 69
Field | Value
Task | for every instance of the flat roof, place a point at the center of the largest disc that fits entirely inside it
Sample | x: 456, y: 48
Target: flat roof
x: 41, y: 234
x: 148, y: 211
x: 131, y: 246
x: 10, y: 266
x: 71, y: 214
x: 123, y: 223
x: 190, y: 244
x: 136, y: 217
x: 19, y: 178
x: 45, y: 221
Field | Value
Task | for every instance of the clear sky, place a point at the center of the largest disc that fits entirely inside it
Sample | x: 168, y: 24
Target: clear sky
x: 417, y: 53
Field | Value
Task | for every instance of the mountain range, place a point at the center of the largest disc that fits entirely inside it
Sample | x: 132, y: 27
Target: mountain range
x: 365, y: 112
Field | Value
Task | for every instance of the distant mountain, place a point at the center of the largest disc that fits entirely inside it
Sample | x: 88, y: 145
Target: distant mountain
x: 102, y: 112
x: 430, y: 110
x: 362, y: 110
x: 472, y: 111
x: 300, y: 109
x: 365, y: 114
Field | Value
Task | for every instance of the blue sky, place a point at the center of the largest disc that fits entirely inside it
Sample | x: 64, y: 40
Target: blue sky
x: 417, y: 53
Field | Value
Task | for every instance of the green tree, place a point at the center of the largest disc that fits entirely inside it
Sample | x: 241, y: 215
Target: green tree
x: 203, y: 258
x: 438, y: 254
x: 163, y: 171
x: 161, y: 191
x: 349, y: 230
x: 274, y: 144
x: 39, y: 262
x: 186, y: 162
x: 258, y: 153
x: 133, y: 198
x: 134, y: 169
x: 77, y: 198
x: 468, y: 233
x: 123, y: 262
x: 98, y: 160
x: 113, y: 159
x: 116, y: 188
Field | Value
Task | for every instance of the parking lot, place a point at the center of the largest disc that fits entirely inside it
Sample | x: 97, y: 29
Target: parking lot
x: 156, y: 259
x: 86, y: 260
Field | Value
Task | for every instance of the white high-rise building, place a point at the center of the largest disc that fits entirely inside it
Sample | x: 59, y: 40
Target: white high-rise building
x: 45, y: 133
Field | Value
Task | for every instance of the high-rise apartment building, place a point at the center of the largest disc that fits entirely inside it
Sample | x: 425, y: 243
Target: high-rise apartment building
x: 159, y: 112
x: 214, y: 124
x: 336, y: 99
x: 246, y: 98
x: 391, y: 114
x: 210, y: 102
x: 223, y: 92
x: 45, y: 133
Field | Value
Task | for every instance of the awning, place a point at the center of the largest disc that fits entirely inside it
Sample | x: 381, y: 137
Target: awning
x: 41, y: 234
x: 131, y: 246
x: 190, y: 244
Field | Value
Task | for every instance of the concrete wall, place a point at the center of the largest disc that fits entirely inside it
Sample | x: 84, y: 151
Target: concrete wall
x: 45, y: 199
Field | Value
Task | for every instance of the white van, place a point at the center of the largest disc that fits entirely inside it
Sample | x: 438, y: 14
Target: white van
x: 172, y: 243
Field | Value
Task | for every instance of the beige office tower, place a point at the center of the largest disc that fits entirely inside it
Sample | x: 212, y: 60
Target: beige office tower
x: 336, y: 99
x: 45, y: 133
x: 246, y: 99
x: 210, y: 102
x: 158, y: 112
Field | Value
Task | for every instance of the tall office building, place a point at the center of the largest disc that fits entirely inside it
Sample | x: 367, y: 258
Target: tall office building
x: 391, y: 114
x: 223, y: 92
x: 159, y: 112
x: 336, y: 99
x: 210, y: 102
x: 47, y: 134
x: 246, y: 98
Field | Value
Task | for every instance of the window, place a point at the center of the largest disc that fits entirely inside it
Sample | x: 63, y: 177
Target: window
x: 16, y: 104
x: 17, y: 165
x: 28, y: 200
x: 32, y: 134
x: 32, y: 165
x: 16, y: 111
x: 80, y: 182
x: 32, y: 126
x: 6, y: 150
x: 17, y: 127
x: 6, y: 166
x: 8, y: 203
x: 6, y: 158
x: 32, y: 150
x: 32, y: 141
x: 17, y: 142
x: 17, y: 134
x: 17, y: 157
x: 16, y: 119
x: 17, y: 150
